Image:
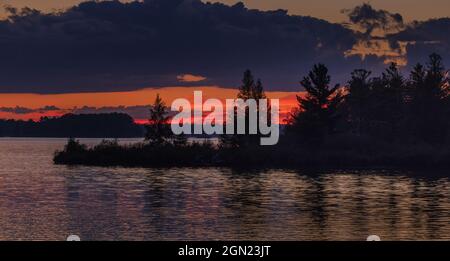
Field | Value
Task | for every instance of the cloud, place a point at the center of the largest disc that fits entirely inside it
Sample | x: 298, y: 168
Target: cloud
x: 386, y: 37
x: 16, y: 110
x: 367, y: 18
x: 110, y: 45
x: 425, y: 37
x: 382, y: 49
x: 190, y: 78
x: 24, y: 110
x: 19, y: 112
x: 102, y: 46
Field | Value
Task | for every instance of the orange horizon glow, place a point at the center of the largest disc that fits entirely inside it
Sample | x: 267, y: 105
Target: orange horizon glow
x: 68, y: 102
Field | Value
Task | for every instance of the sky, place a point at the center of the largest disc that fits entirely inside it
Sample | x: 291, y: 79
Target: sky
x: 325, y: 9
x: 331, y: 9
x: 105, y: 56
x: 134, y: 103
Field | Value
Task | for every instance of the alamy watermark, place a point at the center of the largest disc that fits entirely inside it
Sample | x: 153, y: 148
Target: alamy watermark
x: 237, y: 117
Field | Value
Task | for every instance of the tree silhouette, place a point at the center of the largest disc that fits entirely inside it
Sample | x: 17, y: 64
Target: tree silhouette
x: 428, y: 87
x: 248, y: 90
x: 358, y: 101
x: 158, y: 129
x: 318, y: 111
x: 180, y: 140
x: 258, y: 91
x: 379, y: 121
x: 437, y: 78
x: 388, y: 94
x: 104, y: 125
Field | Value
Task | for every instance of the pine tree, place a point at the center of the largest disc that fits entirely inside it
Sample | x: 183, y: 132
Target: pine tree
x: 318, y: 111
x: 258, y: 91
x: 358, y: 100
x: 248, y: 90
x: 247, y: 87
x: 389, y: 93
x: 158, y: 129
x: 436, y: 80
x: 428, y: 88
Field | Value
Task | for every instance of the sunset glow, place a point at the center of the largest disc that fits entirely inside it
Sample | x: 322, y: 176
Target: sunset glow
x: 67, y: 103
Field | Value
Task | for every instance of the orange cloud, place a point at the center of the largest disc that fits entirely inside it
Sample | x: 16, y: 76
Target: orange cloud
x: 190, y: 78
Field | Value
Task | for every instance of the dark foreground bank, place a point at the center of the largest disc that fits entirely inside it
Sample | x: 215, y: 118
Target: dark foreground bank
x: 205, y: 154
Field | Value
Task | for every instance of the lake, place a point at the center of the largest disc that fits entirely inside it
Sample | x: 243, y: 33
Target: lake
x: 42, y: 201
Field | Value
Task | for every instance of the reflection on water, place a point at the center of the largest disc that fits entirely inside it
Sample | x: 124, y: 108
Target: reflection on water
x: 41, y: 201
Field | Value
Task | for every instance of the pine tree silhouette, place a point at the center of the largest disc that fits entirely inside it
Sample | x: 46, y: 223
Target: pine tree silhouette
x: 158, y: 130
x: 358, y: 101
x: 250, y: 89
x: 428, y: 87
x: 318, y: 111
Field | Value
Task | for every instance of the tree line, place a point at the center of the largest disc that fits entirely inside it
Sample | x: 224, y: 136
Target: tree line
x: 372, y: 121
x: 106, y: 125
x: 391, y: 107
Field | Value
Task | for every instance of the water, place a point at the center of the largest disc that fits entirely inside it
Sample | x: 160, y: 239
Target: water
x: 41, y: 201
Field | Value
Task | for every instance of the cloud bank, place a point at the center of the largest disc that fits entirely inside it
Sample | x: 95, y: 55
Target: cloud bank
x: 25, y: 110
x: 115, y: 46
x: 98, y: 46
x: 385, y: 35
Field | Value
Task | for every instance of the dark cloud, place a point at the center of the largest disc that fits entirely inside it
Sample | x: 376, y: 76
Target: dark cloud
x: 369, y: 19
x: 426, y: 37
x: 386, y: 36
x: 24, y: 110
x: 114, y: 46
x: 136, y: 112
x: 121, y: 46
x: 431, y: 31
